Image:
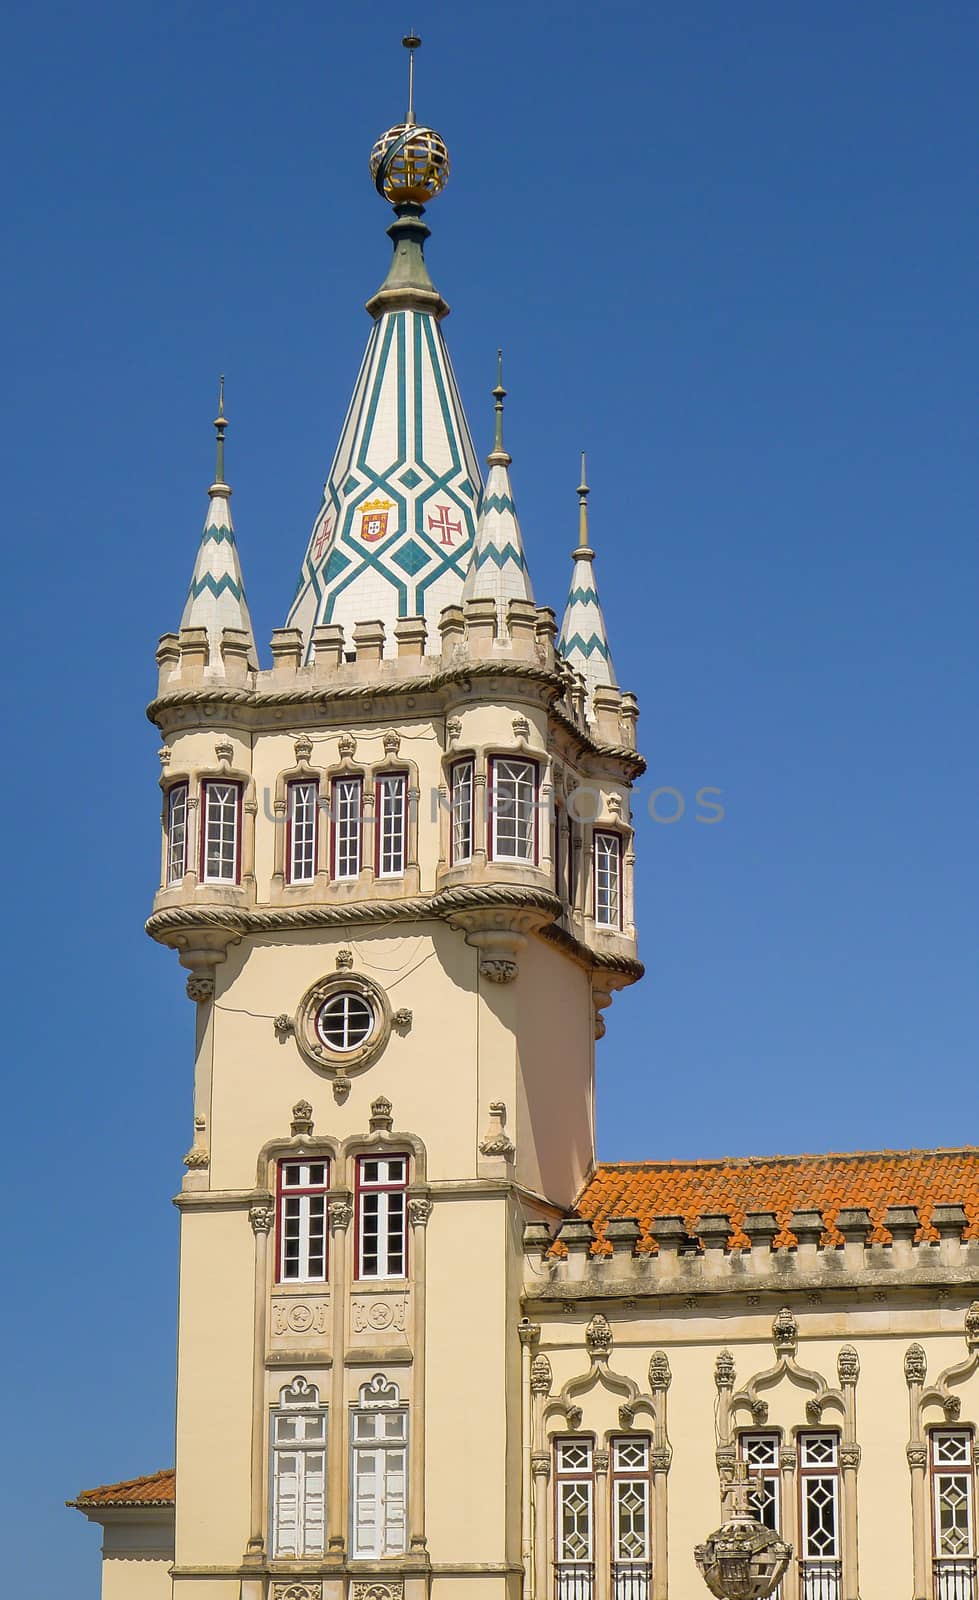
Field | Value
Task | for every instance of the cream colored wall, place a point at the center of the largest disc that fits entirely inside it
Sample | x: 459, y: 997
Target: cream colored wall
x: 136, y: 1578
x: 692, y: 1342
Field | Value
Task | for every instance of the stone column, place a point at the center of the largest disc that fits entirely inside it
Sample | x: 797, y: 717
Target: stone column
x: 339, y: 1214
x: 661, y: 1455
x: 367, y: 831
x: 419, y: 1211
x: 915, y: 1372
x: 261, y: 1215
x: 848, y: 1368
x: 193, y: 858
x: 529, y: 1332
x: 788, y: 1458
x: 540, y: 1466
x: 480, y: 818
x: 602, y: 1557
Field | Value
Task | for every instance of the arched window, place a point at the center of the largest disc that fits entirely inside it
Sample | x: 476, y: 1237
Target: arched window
x: 379, y: 1470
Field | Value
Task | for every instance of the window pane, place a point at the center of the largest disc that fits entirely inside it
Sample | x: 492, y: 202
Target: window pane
x: 391, y: 798
x: 608, y: 911
x: 462, y: 811
x: 513, y: 802
x: 221, y: 832
x: 346, y: 827
x: 176, y: 833
x: 301, y: 864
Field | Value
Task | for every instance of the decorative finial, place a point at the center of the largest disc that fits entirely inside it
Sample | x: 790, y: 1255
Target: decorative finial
x: 220, y: 423
x: 411, y: 43
x: 498, y: 453
x: 583, y: 493
x: 410, y: 164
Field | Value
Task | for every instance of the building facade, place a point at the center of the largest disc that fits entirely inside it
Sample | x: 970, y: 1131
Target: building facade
x: 428, y: 1346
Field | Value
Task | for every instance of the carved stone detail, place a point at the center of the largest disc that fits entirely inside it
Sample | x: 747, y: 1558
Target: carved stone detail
x: 382, y: 1120
x: 541, y: 1377
x: 297, y: 1591
x: 521, y: 728
x: 660, y: 1457
x: 601, y: 1460
x: 848, y: 1365
x: 224, y: 751
x: 540, y: 1464
x: 347, y: 746
x: 419, y: 1211
x: 391, y: 742
x: 724, y: 1370
x: 345, y: 960
x: 303, y: 748
x: 495, y: 1141
x: 660, y: 1376
x: 262, y: 1217
x: 302, y: 1118
x: 972, y: 1326
x: 284, y: 1025
x: 164, y: 754
x: 785, y: 1333
x: 453, y: 727
x: 528, y: 1332
x: 598, y: 1338
x: 373, y: 1589
x: 849, y: 1457
x: 498, y: 969
x: 197, y: 1157
x: 341, y: 1088
x: 402, y: 1019
x: 917, y: 1455
x: 340, y: 1214
x: 300, y: 1316
x: 788, y: 1457
x: 379, y: 1313
x: 200, y: 989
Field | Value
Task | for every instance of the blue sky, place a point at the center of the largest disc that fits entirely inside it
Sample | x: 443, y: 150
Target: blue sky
x: 732, y: 252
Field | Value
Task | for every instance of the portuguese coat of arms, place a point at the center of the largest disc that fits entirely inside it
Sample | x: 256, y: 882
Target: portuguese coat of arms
x: 374, y: 519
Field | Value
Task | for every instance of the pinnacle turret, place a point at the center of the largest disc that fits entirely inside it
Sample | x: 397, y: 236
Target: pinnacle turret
x: 216, y: 599
x: 583, y: 640
x: 499, y: 567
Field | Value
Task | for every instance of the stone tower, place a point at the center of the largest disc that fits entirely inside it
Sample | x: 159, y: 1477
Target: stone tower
x: 397, y: 867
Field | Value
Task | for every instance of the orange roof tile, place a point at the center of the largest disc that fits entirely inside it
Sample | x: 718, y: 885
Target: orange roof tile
x: 783, y: 1184
x: 156, y: 1489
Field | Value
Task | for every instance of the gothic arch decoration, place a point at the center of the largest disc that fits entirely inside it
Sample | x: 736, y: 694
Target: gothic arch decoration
x: 549, y: 1411
x: 821, y: 1397
x: 937, y: 1396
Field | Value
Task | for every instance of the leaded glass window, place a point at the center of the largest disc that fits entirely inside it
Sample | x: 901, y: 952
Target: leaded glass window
x: 820, y: 1516
x: 953, y: 1501
x: 631, y: 1513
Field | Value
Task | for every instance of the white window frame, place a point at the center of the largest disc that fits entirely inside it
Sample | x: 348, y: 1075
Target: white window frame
x: 391, y: 801
x: 607, y: 870
x: 348, y: 831
x: 513, y: 821
x: 302, y: 823
x: 574, y: 1572
x: 221, y: 806
x: 382, y: 1212
x: 820, y: 1570
x: 462, y: 794
x: 177, y: 814
x: 301, y: 1532
x: 631, y: 1569
x: 379, y: 1427
x: 303, y: 1221
x: 760, y: 1450
x: 950, y: 1459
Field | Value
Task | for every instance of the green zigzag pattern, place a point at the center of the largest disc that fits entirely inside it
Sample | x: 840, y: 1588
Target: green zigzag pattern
x: 585, y: 596
x: 499, y: 502
x: 501, y: 557
x: 217, y: 586
x: 214, y: 535
x: 576, y: 642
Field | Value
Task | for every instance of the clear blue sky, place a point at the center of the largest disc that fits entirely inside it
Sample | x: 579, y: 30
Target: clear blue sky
x: 731, y: 250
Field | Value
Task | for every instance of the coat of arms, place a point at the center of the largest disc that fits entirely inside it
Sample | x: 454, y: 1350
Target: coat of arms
x: 374, y: 519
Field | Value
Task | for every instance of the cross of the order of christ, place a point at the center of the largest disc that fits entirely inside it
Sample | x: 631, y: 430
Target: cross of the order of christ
x: 739, y: 1487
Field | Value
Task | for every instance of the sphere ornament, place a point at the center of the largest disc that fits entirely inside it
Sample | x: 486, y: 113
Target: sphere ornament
x: 742, y: 1560
x: 410, y: 164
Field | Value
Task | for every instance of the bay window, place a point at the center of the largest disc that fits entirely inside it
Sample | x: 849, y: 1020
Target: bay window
x: 302, y: 1224
x: 301, y: 822
x: 298, y: 1511
x: 382, y: 1216
x: 513, y: 810
x: 176, y: 832
x: 391, y: 801
x: 607, y: 869
x: 220, y: 831
x: 461, y: 808
x: 347, y: 808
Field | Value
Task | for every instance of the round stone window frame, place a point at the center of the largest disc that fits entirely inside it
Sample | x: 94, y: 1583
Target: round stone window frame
x: 311, y: 1046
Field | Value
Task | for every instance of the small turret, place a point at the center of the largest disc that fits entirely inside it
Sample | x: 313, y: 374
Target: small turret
x: 216, y: 599
x: 583, y: 640
x: 499, y: 568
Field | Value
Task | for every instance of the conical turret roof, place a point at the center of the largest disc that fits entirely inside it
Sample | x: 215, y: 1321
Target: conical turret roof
x: 583, y: 640
x: 216, y: 598
x: 499, y: 567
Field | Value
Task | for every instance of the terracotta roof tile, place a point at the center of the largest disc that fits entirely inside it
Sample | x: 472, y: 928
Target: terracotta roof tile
x: 156, y: 1489
x: 783, y: 1184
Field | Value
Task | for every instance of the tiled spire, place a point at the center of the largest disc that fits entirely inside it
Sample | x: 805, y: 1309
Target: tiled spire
x: 583, y: 640
x: 217, y: 592
x: 499, y: 568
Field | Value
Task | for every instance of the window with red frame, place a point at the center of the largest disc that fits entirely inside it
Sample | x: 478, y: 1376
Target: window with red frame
x: 303, y: 1233
x: 176, y: 832
x: 382, y: 1216
x: 220, y: 831
x: 513, y: 810
x: 301, y: 818
x: 347, y: 808
x: 391, y: 804
x: 608, y: 880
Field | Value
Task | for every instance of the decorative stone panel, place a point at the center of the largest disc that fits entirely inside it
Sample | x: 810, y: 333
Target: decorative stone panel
x: 297, y: 1591
x: 378, y: 1589
x: 379, y: 1318
x: 298, y: 1319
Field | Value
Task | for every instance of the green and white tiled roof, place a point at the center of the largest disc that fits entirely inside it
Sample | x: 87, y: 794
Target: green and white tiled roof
x: 395, y: 532
x: 216, y: 598
x: 583, y: 639
x: 498, y: 570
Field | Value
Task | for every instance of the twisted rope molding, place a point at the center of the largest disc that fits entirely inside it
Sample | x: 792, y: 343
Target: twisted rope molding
x: 442, y: 907
x: 429, y: 683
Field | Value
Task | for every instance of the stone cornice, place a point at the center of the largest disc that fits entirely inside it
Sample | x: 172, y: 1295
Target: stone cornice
x: 329, y: 695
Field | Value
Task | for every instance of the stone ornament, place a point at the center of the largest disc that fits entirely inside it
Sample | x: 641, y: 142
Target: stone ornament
x: 496, y: 1141
x: 199, y: 988
x: 382, y: 1115
x: 660, y: 1376
x: 391, y: 742
x: 379, y: 1313
x: 302, y: 1118
x: 284, y: 1025
x: 224, y: 751
x: 262, y: 1217
x: 601, y: 1459
x: 341, y: 1088
x: 528, y: 1332
x: 303, y: 749
x: 297, y: 1591
x: 401, y: 1019
x: 498, y: 969
x: 300, y: 1316
x: 972, y: 1326
x: 453, y: 728
x: 917, y: 1455
x: 785, y: 1333
x: 848, y: 1365
x: 345, y: 960
x: 915, y: 1364
x: 849, y: 1457
x: 196, y: 1157
x: 326, y: 1057
x: 164, y: 754
x: 540, y: 1464
x: 347, y: 746
x: 521, y: 728
x: 724, y: 1370
x: 419, y: 1211
x: 541, y: 1377
x: 390, y: 1589
x: 598, y: 1338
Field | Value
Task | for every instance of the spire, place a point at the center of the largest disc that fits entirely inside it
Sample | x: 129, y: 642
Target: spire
x: 583, y: 640
x: 217, y: 593
x: 498, y: 570
x: 394, y: 534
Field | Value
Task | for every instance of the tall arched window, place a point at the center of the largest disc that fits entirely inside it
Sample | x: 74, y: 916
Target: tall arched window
x: 298, y: 1512
x: 379, y: 1470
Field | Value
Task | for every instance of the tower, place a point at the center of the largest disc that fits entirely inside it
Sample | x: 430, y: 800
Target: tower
x: 397, y: 867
